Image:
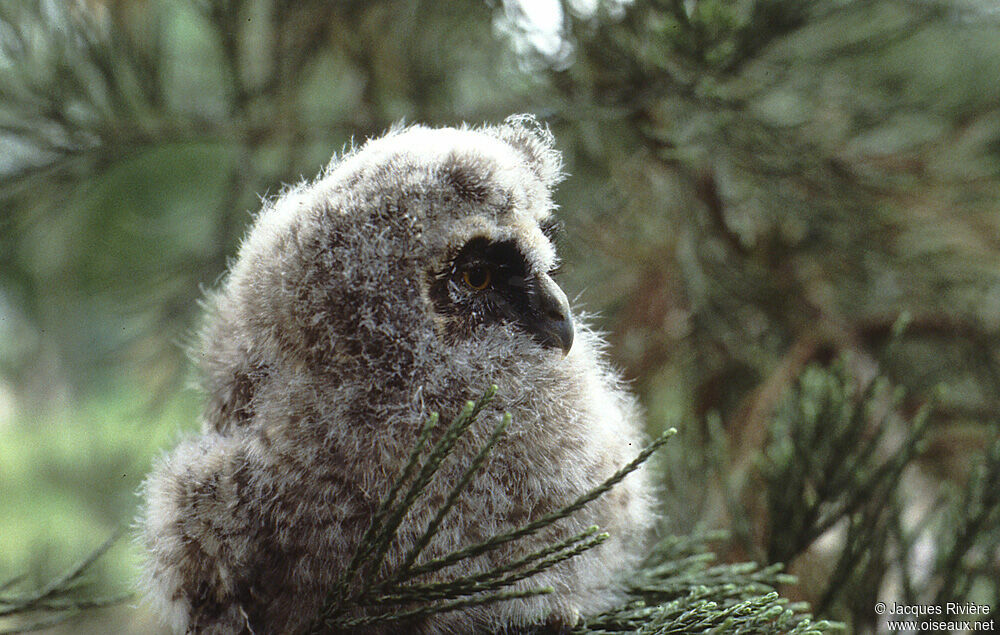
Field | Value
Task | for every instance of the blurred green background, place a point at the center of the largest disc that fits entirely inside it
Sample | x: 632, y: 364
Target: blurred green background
x: 756, y: 189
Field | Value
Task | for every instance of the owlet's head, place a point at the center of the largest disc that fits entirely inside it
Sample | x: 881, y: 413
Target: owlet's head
x: 418, y: 240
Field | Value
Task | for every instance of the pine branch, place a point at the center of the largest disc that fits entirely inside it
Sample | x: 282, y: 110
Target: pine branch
x: 545, y: 521
x: 977, y: 518
x: 493, y: 580
x: 59, y: 596
x: 451, y: 605
x: 438, y: 454
x: 367, y: 543
x: 395, y: 587
x: 829, y: 458
x: 681, y: 593
x: 571, y: 542
x: 688, y: 594
x: 471, y: 471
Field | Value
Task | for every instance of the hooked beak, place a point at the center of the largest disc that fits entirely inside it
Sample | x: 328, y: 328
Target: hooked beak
x: 549, y: 321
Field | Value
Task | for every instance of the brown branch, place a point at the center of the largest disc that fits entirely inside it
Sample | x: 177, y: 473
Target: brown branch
x: 750, y: 433
x: 707, y: 191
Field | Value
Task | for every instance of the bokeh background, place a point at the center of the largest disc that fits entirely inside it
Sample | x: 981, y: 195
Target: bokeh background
x: 757, y: 191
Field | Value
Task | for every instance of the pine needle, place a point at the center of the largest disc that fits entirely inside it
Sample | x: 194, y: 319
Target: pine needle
x: 445, y: 606
x: 56, y: 597
x: 532, y: 527
x: 463, y: 482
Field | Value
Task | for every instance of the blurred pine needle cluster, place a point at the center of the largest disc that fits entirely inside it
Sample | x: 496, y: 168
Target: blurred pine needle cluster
x: 758, y: 190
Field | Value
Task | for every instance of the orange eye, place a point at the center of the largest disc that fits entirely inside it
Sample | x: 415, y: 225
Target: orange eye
x: 477, y: 278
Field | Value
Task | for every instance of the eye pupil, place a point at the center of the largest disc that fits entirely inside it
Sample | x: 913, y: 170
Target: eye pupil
x: 478, y: 278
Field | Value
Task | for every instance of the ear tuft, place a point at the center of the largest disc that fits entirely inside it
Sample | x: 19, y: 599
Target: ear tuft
x: 535, y: 142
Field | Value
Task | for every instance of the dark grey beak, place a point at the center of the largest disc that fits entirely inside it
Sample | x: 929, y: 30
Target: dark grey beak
x: 550, y: 320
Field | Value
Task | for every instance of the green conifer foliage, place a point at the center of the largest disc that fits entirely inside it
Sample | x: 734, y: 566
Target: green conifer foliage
x: 784, y: 180
x: 758, y: 190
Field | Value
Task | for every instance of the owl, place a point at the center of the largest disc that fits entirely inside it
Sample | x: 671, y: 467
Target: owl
x: 411, y: 273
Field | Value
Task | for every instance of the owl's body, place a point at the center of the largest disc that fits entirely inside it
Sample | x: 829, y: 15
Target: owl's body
x: 405, y: 279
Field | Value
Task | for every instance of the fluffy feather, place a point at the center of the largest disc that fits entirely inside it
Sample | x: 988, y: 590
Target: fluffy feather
x: 322, y: 355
